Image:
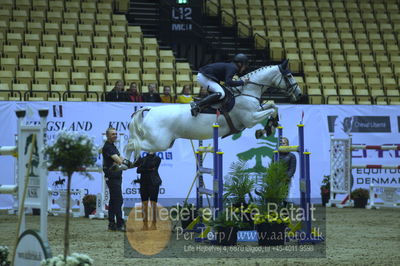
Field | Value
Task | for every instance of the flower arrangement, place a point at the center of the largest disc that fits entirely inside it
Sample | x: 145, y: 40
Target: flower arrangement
x: 271, y: 217
x: 89, y: 202
x: 230, y: 217
x: 186, y: 214
x: 325, y: 190
x: 89, y: 199
x: 326, y: 185
x: 360, y: 197
x: 76, y: 259
x: 70, y: 152
x: 4, y: 256
x: 360, y: 193
x: 226, y: 226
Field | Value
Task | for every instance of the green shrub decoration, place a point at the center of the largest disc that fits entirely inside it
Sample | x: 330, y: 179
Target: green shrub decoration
x: 238, y: 183
x: 274, y: 185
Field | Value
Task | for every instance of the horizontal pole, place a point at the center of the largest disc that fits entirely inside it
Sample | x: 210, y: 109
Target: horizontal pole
x: 205, y: 149
x: 204, y: 170
x: 375, y: 147
x: 8, y: 189
x: 206, y: 191
x: 376, y: 166
x: 8, y: 150
x: 91, y: 169
x: 83, y: 169
x: 288, y: 148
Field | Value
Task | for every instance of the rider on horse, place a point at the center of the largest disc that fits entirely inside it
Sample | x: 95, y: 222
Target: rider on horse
x: 210, y: 75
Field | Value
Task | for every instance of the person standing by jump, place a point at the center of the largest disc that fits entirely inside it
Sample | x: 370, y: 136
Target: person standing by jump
x: 111, y: 157
x: 211, y: 75
x: 150, y: 183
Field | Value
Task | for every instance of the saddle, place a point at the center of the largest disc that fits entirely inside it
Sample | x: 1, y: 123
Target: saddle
x: 224, y: 105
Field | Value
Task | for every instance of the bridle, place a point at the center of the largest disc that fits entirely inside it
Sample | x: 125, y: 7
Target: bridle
x: 290, y: 87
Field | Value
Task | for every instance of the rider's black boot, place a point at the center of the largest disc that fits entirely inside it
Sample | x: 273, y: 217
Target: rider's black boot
x: 210, y: 99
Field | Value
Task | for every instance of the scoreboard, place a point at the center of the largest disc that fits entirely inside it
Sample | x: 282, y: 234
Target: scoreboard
x: 180, y: 20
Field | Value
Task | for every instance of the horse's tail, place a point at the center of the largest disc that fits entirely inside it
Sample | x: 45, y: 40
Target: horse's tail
x: 136, y: 132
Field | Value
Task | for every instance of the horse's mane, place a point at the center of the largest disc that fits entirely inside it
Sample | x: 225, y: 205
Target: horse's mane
x: 248, y: 75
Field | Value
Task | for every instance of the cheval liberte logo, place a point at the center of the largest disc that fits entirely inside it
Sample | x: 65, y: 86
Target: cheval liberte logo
x: 359, y: 124
x: 263, y: 149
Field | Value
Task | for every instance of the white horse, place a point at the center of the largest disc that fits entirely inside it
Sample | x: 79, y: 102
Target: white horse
x: 156, y: 129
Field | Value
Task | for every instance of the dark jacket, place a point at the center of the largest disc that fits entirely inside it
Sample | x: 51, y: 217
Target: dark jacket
x: 117, y: 96
x: 290, y: 160
x: 135, y: 97
x: 151, y: 98
x: 222, y: 72
x: 108, y: 150
x: 148, y: 170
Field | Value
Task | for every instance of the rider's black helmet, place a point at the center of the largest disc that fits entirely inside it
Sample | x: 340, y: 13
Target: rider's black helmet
x: 241, y: 58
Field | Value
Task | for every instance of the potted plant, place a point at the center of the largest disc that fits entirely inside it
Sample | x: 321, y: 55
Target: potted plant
x: 187, y: 213
x: 70, y: 152
x: 271, y: 228
x: 325, y: 190
x: 360, y: 197
x: 238, y: 185
x: 226, y: 226
x: 89, y: 202
x: 273, y: 192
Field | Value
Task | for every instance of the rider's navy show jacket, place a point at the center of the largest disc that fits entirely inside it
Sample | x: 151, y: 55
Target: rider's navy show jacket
x: 222, y: 72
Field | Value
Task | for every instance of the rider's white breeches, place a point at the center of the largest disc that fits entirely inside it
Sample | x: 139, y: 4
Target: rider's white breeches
x: 210, y: 85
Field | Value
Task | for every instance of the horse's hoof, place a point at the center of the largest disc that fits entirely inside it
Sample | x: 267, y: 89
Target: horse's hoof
x: 259, y: 133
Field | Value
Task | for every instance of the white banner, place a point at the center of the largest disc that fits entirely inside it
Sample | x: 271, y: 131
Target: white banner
x: 373, y: 125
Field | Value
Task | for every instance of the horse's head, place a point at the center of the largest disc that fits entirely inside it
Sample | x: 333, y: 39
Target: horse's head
x: 289, y: 84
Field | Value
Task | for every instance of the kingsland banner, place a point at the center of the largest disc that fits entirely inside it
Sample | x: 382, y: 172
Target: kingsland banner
x: 371, y: 125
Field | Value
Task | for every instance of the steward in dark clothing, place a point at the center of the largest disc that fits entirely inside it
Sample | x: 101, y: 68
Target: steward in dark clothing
x: 114, y: 182
x: 150, y: 182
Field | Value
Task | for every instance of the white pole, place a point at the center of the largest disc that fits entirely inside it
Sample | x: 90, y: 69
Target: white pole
x: 8, y: 150
x: 8, y: 189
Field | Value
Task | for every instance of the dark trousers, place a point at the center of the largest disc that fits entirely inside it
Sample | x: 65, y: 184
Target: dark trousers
x: 115, y: 203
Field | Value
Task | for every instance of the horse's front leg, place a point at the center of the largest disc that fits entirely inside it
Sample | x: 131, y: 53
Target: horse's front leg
x: 264, y: 114
x: 250, y: 119
x: 267, y: 106
x: 271, y: 124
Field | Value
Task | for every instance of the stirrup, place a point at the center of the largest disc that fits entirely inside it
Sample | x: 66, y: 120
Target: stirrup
x: 195, y: 109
